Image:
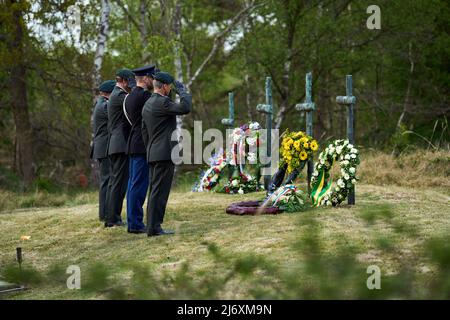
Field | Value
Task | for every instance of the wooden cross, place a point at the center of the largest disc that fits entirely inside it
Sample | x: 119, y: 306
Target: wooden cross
x: 267, y: 109
x: 308, y: 107
x: 349, y: 100
x: 229, y: 122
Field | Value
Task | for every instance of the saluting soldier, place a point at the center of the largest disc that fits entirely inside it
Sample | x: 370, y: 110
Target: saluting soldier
x: 119, y: 130
x: 99, y: 148
x: 158, y: 124
x: 138, y: 167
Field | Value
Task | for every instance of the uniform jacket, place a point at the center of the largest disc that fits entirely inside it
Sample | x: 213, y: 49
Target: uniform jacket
x: 99, y: 148
x: 118, y: 126
x: 159, y: 122
x: 134, y: 104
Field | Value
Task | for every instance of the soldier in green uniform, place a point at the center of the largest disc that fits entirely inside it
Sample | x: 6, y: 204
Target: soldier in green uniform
x: 119, y: 130
x: 158, y: 124
x: 99, y: 146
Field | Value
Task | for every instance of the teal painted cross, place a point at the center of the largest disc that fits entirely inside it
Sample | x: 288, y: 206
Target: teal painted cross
x: 229, y: 122
x: 349, y: 100
x: 267, y: 109
x: 308, y: 107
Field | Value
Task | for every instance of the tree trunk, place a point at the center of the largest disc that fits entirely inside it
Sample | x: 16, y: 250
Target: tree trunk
x: 178, y: 67
x: 177, y: 52
x: 101, y: 42
x: 96, y: 75
x: 24, y: 161
x: 143, y: 30
x: 408, y: 89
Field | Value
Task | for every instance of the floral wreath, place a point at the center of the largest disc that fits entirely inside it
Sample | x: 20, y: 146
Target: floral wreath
x: 210, y: 178
x: 245, y: 139
x: 296, y: 149
x: 321, y: 183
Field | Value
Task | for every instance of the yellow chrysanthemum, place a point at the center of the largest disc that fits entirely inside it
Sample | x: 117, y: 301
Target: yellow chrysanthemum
x: 297, y: 145
x: 303, y: 155
x: 314, y: 145
x: 303, y: 140
x: 298, y: 134
x: 306, y: 145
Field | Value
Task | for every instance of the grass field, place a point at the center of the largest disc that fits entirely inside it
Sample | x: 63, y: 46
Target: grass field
x: 72, y: 235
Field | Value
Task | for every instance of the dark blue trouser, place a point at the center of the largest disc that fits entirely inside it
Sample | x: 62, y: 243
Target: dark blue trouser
x: 137, y: 190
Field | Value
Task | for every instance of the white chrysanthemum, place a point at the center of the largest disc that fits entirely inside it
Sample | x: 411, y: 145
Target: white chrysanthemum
x: 350, y: 146
x: 353, y: 156
x: 352, y: 170
x: 347, y: 157
x: 240, y: 191
x: 338, y: 149
x: 251, y: 157
x: 353, y: 181
x: 254, y: 126
x: 235, y: 183
x: 353, y: 150
x: 251, y: 141
x: 346, y: 176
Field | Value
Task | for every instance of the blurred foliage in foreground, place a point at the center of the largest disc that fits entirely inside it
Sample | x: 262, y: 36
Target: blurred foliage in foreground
x: 314, y: 275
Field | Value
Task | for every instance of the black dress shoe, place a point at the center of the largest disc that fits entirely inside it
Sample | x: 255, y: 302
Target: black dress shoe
x: 136, y: 231
x: 160, y: 233
x: 114, y: 224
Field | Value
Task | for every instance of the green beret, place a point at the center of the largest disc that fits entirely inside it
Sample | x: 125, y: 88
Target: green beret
x: 163, y: 77
x: 107, y: 86
x: 125, y: 73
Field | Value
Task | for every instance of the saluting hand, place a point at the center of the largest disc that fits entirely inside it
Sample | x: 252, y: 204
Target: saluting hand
x: 179, y: 87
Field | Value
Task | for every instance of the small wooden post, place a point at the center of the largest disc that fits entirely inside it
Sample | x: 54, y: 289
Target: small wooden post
x: 267, y: 109
x: 349, y: 100
x: 229, y: 122
x: 19, y: 256
x: 308, y: 107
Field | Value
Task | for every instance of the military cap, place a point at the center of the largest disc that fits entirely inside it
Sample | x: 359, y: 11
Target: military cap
x: 163, y: 77
x: 125, y: 73
x: 149, y: 70
x: 107, y: 86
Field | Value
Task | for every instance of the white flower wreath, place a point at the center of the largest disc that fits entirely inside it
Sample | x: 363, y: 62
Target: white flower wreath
x: 348, y: 156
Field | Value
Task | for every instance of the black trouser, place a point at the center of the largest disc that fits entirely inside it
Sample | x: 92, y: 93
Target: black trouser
x: 161, y: 176
x: 117, y: 187
x: 104, y: 165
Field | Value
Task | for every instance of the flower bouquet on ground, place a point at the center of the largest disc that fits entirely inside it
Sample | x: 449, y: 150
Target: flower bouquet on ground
x: 296, y: 148
x: 242, y: 183
x: 289, y: 199
x: 211, y: 177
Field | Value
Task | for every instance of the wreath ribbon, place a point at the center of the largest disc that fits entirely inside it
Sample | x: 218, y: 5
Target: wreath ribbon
x: 285, y: 189
x: 319, y: 190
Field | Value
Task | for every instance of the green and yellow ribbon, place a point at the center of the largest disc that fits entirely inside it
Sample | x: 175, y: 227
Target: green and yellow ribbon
x: 318, y: 189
